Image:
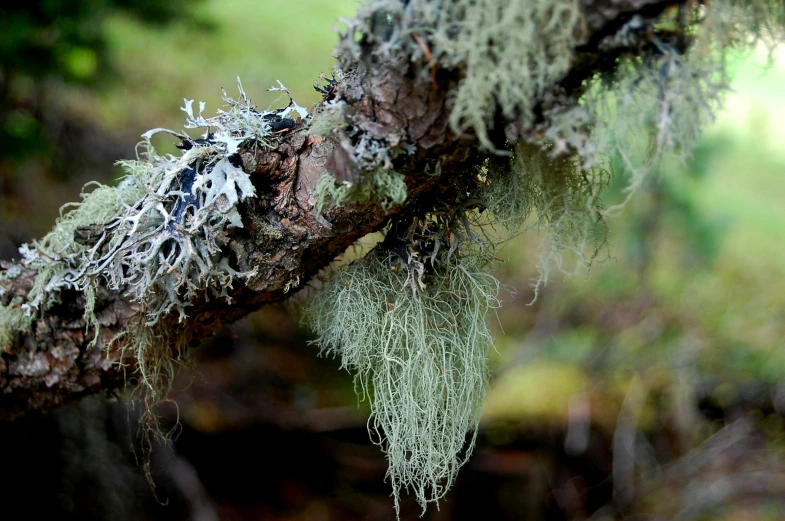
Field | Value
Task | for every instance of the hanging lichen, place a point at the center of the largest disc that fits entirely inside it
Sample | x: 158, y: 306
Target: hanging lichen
x: 419, y: 356
x: 510, y: 51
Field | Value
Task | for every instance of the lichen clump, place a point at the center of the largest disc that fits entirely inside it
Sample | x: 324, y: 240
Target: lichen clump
x: 418, y: 356
x: 13, y: 320
x: 386, y: 187
x: 408, y: 320
x: 159, y: 236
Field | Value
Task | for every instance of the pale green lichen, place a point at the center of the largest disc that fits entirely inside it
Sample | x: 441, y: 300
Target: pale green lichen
x: 509, y: 51
x: 654, y: 108
x: 329, y: 120
x: 561, y: 196
x: 419, y: 357
x: 386, y: 187
x: 159, y: 237
x: 13, y: 321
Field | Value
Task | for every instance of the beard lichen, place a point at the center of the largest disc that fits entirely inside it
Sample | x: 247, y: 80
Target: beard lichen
x: 653, y: 107
x: 559, y: 198
x: 419, y: 357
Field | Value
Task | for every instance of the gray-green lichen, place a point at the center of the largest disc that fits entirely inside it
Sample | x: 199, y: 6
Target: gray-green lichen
x: 159, y: 236
x: 510, y: 51
x: 330, y: 119
x: 13, y: 321
x: 419, y: 357
x: 383, y: 315
x: 384, y: 186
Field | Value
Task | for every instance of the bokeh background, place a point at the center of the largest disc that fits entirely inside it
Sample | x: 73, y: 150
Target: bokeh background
x: 650, y: 387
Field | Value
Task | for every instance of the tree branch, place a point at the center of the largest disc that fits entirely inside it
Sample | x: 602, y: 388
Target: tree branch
x: 285, y: 241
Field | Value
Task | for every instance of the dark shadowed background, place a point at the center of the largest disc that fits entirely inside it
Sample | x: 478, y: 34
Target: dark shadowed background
x: 651, y: 387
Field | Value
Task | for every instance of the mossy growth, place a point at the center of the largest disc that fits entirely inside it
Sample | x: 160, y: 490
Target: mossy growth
x: 418, y: 356
x: 386, y: 187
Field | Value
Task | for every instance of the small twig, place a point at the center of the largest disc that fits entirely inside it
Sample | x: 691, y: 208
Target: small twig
x: 428, y: 56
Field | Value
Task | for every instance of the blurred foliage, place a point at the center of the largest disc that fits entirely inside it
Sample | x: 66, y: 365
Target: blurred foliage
x: 60, y: 41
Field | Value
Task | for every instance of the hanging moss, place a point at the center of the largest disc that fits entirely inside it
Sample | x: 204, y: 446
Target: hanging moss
x: 419, y: 357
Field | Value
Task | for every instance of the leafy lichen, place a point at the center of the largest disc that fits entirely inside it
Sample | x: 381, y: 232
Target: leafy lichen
x: 160, y: 235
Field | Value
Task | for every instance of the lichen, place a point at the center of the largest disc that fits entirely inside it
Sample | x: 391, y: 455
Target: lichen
x: 330, y: 119
x: 159, y: 236
x: 13, y: 321
x: 509, y: 51
x: 386, y: 187
x: 561, y: 197
x: 418, y: 357
x: 654, y: 108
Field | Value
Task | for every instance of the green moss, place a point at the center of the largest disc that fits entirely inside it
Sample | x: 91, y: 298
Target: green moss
x: 419, y: 357
x: 385, y: 186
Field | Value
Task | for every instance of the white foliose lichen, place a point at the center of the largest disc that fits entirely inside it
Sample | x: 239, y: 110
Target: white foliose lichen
x: 159, y: 236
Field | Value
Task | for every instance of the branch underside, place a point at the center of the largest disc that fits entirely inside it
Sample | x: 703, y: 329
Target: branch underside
x: 285, y: 241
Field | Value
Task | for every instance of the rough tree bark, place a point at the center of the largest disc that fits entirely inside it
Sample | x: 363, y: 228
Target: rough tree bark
x: 55, y: 363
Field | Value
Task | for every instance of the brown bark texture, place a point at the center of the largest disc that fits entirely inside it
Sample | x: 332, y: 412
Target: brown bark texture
x: 59, y: 362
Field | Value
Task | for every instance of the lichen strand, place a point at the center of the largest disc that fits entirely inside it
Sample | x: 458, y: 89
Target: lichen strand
x: 386, y: 187
x: 654, y: 107
x: 510, y: 51
x: 419, y: 357
x: 561, y: 196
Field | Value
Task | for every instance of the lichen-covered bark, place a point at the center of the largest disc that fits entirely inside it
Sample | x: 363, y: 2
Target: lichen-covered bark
x: 285, y: 240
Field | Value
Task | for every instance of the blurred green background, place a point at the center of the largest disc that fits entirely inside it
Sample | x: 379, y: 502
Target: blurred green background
x: 650, y: 386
